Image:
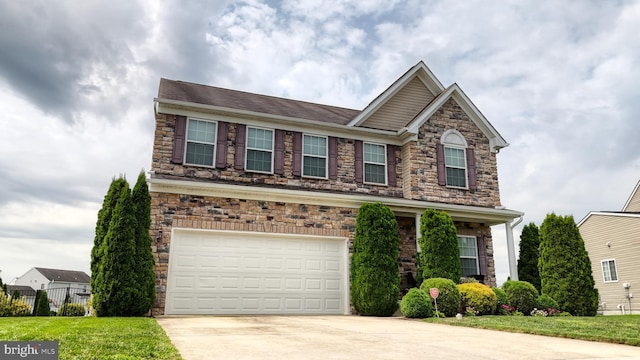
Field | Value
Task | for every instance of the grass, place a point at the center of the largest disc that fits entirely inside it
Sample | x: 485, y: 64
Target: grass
x: 92, y: 337
x: 621, y: 329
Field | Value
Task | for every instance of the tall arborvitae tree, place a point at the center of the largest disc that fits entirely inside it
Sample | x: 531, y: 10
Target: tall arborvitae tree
x: 565, y: 268
x: 375, y: 276
x: 102, y: 227
x: 118, y: 291
x: 528, y: 261
x: 439, y: 255
x: 144, y: 262
x: 42, y: 304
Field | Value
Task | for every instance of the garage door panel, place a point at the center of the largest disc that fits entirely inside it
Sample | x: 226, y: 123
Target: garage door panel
x: 233, y: 273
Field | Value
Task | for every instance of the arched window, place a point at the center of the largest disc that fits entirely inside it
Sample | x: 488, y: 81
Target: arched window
x: 456, y: 162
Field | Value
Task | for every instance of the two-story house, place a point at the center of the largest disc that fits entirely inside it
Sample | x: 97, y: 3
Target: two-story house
x: 612, y: 239
x: 254, y: 197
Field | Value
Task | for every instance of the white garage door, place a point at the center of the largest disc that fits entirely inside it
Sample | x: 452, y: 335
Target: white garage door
x: 213, y: 272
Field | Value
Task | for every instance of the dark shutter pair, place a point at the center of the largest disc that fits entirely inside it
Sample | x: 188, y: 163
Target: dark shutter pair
x: 471, y: 167
x: 180, y: 138
x: 391, y: 163
x: 332, y: 158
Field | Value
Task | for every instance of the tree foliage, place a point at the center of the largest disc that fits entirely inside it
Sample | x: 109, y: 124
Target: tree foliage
x: 375, y: 277
x: 439, y: 255
x: 565, y: 268
x: 123, y: 281
x: 144, y: 264
x: 528, y: 261
x: 41, y: 304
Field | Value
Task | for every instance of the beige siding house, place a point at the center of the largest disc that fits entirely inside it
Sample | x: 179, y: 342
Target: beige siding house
x: 612, y: 240
x: 254, y: 197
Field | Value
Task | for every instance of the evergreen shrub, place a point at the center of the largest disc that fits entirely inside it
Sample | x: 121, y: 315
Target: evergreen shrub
x: 449, y: 297
x: 375, y: 276
x: 416, y: 304
x: 477, y: 296
x: 521, y: 295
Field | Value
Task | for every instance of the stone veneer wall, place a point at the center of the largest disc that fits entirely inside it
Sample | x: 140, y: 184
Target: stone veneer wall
x: 423, y: 165
x: 162, y: 165
x: 213, y: 213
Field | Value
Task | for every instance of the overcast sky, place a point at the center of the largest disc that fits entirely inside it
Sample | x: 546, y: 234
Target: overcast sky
x: 558, y: 79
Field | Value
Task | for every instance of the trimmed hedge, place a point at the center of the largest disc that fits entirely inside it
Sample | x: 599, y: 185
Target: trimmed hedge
x: 546, y: 302
x: 375, y: 277
x: 439, y: 256
x: 501, y: 299
x: 449, y: 298
x: 416, y: 304
x: 478, y: 296
x: 521, y: 295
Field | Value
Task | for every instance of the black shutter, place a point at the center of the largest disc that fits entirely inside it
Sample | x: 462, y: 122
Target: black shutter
x: 241, y: 137
x: 359, y: 167
x: 221, y: 145
x: 442, y: 172
x: 471, y: 170
x: 179, y: 139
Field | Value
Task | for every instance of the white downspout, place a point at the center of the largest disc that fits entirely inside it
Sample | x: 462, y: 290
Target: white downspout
x: 511, y: 249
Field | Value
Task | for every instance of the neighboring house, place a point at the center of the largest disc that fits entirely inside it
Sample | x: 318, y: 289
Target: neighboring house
x: 60, y: 285
x: 254, y: 197
x: 612, y: 239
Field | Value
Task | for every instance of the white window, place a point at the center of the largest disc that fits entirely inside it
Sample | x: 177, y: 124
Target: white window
x: 468, y: 255
x: 314, y: 159
x: 375, y: 163
x: 259, y: 150
x: 201, y: 142
x: 609, y: 271
x: 455, y: 159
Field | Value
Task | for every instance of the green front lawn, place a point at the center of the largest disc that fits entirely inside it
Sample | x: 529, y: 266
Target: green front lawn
x: 92, y: 337
x: 622, y: 329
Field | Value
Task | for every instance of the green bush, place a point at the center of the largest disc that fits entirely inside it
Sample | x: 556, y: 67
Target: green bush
x: 567, y: 279
x: 521, y: 295
x: 478, y: 296
x: 71, y: 309
x: 501, y: 299
x: 416, y: 304
x: 375, y: 276
x: 449, y: 298
x: 42, y: 304
x: 440, y: 252
x: 546, y: 302
x: 15, y: 306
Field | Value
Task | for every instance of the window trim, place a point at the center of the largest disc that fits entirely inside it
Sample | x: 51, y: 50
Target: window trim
x: 453, y: 139
x: 247, y: 148
x: 365, y: 162
x: 477, y: 257
x: 615, y: 267
x: 187, y: 141
x: 325, y: 157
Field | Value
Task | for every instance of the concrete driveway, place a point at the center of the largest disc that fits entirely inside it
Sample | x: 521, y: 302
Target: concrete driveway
x: 355, y: 337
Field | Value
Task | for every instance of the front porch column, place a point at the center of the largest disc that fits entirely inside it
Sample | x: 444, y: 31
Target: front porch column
x: 418, y: 217
x: 511, y: 249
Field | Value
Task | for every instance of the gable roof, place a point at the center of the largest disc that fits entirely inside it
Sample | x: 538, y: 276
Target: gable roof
x: 23, y: 290
x: 416, y: 95
x: 239, y: 100
x: 64, y: 275
x: 634, y: 214
x: 633, y: 203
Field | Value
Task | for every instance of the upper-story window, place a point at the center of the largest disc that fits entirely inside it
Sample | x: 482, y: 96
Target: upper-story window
x: 201, y: 142
x: 314, y: 160
x: 259, y: 150
x: 455, y: 160
x: 375, y: 163
x: 468, y: 255
x: 609, y: 271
